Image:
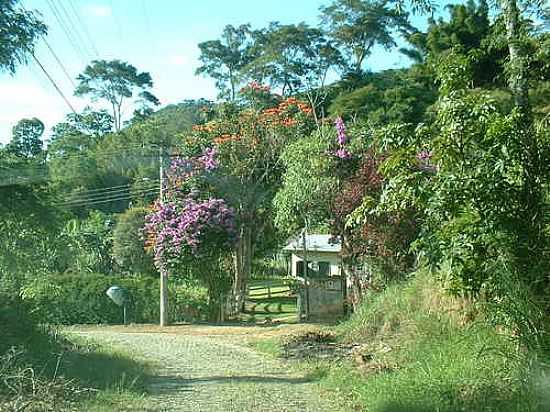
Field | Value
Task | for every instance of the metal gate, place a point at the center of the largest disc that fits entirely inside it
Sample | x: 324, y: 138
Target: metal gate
x: 322, y: 298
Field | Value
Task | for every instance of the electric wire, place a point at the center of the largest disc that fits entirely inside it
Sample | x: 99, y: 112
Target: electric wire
x: 118, y: 24
x: 54, y: 54
x: 53, y: 82
x: 108, y: 188
x: 147, y: 24
x: 128, y: 196
x: 108, y: 196
x: 67, y: 32
x: 74, y: 28
x: 84, y: 28
x: 98, y: 196
x: 115, y: 154
x: 63, y: 68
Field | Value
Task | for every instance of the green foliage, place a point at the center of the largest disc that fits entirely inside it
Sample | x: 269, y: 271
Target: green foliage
x: 224, y: 59
x: 292, y: 58
x: 114, y: 81
x: 20, y: 30
x: 386, y: 97
x: 458, y: 174
x: 421, y: 351
x: 129, y: 243
x: 26, y: 138
x: 79, y: 299
x: 89, y: 242
x: 17, y: 324
x: 358, y: 25
x: 307, y: 184
x: 28, y: 223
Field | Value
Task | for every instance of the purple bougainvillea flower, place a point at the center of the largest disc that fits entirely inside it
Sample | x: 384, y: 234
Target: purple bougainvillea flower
x: 340, y: 131
x: 342, y: 153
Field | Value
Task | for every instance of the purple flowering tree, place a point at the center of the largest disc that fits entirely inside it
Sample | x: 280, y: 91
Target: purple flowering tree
x: 192, y: 230
x: 342, y: 152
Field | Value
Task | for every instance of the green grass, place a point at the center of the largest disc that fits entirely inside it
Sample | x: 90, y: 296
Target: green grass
x: 270, y: 347
x: 88, y: 377
x: 270, y: 299
x: 118, y: 379
x: 421, y: 351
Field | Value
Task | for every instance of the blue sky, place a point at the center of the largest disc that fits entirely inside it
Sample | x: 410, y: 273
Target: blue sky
x: 158, y: 36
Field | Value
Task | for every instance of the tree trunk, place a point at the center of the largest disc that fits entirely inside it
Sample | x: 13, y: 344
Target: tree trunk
x: 242, y: 259
x: 517, y: 78
x: 530, y: 220
x: 356, y: 289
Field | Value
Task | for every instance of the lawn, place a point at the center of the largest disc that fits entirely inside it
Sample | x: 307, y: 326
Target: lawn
x: 270, y: 300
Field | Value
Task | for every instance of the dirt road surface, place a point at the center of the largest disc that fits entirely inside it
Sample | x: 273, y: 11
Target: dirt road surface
x: 213, y: 368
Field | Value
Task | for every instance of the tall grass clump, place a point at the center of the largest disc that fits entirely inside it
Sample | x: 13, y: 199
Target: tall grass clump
x: 424, y: 350
x: 42, y: 370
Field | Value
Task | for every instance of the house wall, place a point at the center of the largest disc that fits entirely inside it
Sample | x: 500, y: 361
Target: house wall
x: 314, y: 257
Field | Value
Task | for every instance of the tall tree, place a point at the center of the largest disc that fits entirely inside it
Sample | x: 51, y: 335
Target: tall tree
x: 27, y: 138
x: 114, y: 81
x: 18, y: 34
x: 358, y: 25
x: 223, y: 59
x: 292, y: 57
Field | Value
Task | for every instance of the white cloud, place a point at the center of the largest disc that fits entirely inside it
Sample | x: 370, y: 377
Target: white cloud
x: 20, y: 100
x: 99, y: 10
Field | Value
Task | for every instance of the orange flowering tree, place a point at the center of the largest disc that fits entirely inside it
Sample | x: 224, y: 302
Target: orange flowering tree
x: 249, y: 137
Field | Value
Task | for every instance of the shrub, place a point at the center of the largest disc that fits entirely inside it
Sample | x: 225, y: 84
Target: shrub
x: 16, y: 324
x: 129, y: 243
x: 73, y: 299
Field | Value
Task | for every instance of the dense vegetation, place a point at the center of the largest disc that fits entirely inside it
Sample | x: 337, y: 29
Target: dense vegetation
x: 439, y: 168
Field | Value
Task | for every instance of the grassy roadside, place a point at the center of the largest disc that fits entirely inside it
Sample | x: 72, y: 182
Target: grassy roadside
x: 418, y: 350
x: 117, y: 377
x: 57, y: 372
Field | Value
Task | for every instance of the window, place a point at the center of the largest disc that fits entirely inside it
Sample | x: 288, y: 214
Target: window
x: 324, y: 269
x: 300, y: 268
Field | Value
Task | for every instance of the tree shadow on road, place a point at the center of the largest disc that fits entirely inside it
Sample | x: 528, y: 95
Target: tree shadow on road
x: 166, y: 384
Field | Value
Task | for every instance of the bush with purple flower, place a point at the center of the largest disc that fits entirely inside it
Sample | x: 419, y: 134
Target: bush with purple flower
x: 342, y: 152
x: 185, y: 227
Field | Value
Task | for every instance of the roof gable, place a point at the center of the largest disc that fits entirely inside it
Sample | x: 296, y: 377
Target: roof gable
x: 315, y: 243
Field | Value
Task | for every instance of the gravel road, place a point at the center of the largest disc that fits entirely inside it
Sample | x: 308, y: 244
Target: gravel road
x: 214, y: 371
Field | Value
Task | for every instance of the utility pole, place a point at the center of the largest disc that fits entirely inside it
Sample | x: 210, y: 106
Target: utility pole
x: 306, y: 277
x: 163, y: 274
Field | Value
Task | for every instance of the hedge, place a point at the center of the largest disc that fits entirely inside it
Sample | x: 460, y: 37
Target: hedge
x: 81, y: 299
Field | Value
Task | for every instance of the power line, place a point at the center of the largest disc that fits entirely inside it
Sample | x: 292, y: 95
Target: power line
x: 108, y: 196
x: 129, y: 196
x: 55, y: 56
x: 67, y: 32
x: 103, y: 195
x: 145, y: 13
x: 128, y: 185
x: 119, y: 192
x: 59, y: 62
x: 103, y: 154
x: 114, y: 153
x: 84, y: 28
x: 74, y: 29
x: 117, y: 22
x: 52, y: 82
x: 44, y: 168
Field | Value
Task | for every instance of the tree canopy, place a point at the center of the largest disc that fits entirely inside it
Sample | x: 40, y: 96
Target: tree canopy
x: 20, y: 31
x: 114, y: 81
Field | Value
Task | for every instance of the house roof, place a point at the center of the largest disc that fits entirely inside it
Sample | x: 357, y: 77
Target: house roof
x: 315, y: 243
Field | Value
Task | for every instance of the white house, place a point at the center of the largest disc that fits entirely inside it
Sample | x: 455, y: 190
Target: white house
x: 323, y: 254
